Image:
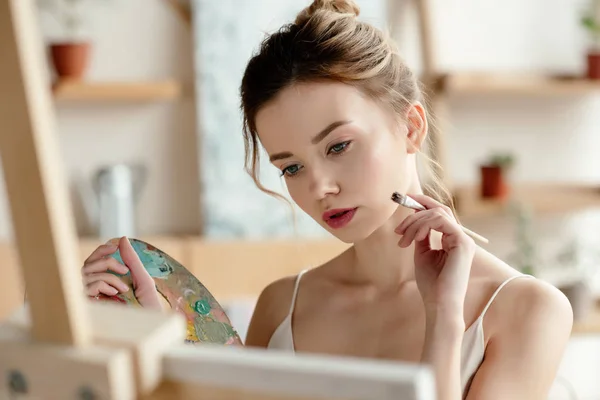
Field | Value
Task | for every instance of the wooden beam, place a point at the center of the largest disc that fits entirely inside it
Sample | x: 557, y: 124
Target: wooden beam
x: 146, y: 335
x: 37, y: 192
x: 255, y: 373
x: 33, y: 370
x: 429, y: 62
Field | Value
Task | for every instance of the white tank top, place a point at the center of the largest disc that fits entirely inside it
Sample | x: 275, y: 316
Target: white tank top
x: 473, y: 345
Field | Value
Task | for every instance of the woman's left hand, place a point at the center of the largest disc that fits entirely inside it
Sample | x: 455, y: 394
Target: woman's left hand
x: 442, y: 275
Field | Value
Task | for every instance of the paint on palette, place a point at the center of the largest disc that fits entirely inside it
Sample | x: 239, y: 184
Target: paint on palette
x: 206, y: 320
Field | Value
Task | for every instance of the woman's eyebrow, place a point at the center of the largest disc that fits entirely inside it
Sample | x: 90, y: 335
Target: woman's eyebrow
x: 315, y: 140
x: 321, y: 135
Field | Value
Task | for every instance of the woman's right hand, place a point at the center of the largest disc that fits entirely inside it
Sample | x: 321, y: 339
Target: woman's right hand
x: 98, y: 280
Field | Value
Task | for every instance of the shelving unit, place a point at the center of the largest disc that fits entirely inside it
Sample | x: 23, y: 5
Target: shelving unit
x: 116, y: 91
x: 541, y: 198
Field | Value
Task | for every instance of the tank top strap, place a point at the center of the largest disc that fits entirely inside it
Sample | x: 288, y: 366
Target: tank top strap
x: 295, y: 294
x: 489, y: 303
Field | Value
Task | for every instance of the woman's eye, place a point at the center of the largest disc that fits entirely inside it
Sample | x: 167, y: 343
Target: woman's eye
x: 291, y: 170
x: 338, y: 148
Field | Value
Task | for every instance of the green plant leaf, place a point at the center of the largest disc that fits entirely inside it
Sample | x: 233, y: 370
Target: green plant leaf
x: 590, y: 23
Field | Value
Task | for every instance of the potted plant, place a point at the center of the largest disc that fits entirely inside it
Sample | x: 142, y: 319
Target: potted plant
x: 70, y: 48
x: 591, y: 23
x: 494, y: 182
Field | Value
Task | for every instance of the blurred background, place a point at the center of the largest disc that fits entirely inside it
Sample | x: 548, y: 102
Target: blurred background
x: 146, y: 96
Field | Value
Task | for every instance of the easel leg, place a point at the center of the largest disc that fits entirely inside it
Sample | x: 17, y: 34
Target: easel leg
x: 42, y: 218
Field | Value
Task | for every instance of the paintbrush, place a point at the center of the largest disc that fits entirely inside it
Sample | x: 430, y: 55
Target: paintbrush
x: 415, y: 205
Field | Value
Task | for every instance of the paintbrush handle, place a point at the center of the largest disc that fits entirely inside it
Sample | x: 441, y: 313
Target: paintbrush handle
x: 474, y: 235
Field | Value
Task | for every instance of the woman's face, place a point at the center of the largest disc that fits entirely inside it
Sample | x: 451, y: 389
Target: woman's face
x: 342, y: 154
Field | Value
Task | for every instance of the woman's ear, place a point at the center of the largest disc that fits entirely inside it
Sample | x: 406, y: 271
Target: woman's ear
x: 417, y: 127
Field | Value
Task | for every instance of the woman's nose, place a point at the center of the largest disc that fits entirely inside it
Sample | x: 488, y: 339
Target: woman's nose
x: 322, y: 184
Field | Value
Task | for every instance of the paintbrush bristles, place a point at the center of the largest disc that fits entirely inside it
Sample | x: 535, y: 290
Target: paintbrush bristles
x: 397, y: 197
x: 407, y: 202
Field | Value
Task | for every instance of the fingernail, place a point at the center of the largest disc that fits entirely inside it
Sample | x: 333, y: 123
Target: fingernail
x: 125, y: 289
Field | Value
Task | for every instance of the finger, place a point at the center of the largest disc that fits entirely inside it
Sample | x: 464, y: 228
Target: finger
x: 139, y: 275
x: 110, y: 279
x: 422, y: 233
x: 431, y: 203
x: 439, y: 222
x: 101, y: 251
x: 412, y: 229
x: 100, y: 287
x: 103, y: 265
x: 423, y: 246
x: 408, y: 221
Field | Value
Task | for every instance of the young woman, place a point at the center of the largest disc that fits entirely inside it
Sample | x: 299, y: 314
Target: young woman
x: 342, y: 117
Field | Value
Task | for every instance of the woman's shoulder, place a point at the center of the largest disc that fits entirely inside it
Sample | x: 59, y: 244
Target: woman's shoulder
x: 531, y: 301
x: 272, y: 307
x: 524, y: 302
x: 278, y: 298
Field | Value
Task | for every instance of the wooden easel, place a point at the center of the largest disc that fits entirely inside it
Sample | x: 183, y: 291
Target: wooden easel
x: 64, y: 347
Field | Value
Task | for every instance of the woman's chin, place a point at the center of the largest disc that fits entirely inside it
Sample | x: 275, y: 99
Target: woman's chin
x: 349, y: 235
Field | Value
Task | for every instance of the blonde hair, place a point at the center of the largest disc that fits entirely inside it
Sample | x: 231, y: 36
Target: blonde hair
x: 328, y: 43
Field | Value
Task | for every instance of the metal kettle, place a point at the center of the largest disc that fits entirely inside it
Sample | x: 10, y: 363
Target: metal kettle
x: 111, y: 205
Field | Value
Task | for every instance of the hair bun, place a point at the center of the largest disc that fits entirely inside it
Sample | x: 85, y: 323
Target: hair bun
x: 337, y: 6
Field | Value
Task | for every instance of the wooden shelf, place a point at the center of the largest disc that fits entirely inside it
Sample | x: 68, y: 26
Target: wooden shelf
x: 515, y: 84
x: 116, y: 91
x: 541, y: 198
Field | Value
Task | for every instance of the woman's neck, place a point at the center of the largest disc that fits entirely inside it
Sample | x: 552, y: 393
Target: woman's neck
x: 379, y: 261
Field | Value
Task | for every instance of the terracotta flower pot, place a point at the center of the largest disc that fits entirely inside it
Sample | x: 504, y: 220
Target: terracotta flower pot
x: 70, y: 60
x: 593, y: 65
x: 493, y: 183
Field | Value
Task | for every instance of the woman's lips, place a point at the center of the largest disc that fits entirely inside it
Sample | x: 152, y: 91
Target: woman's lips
x: 339, y: 217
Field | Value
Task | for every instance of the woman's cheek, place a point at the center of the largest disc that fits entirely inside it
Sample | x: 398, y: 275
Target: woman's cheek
x: 372, y: 167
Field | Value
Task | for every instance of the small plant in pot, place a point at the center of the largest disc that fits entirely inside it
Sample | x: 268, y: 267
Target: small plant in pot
x: 591, y: 23
x: 70, y: 46
x: 494, y: 176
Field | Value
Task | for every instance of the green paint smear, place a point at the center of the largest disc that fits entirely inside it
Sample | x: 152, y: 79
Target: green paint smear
x: 215, y: 332
x: 202, y: 307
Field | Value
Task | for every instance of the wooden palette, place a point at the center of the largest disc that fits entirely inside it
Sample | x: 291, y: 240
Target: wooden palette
x: 206, y: 320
